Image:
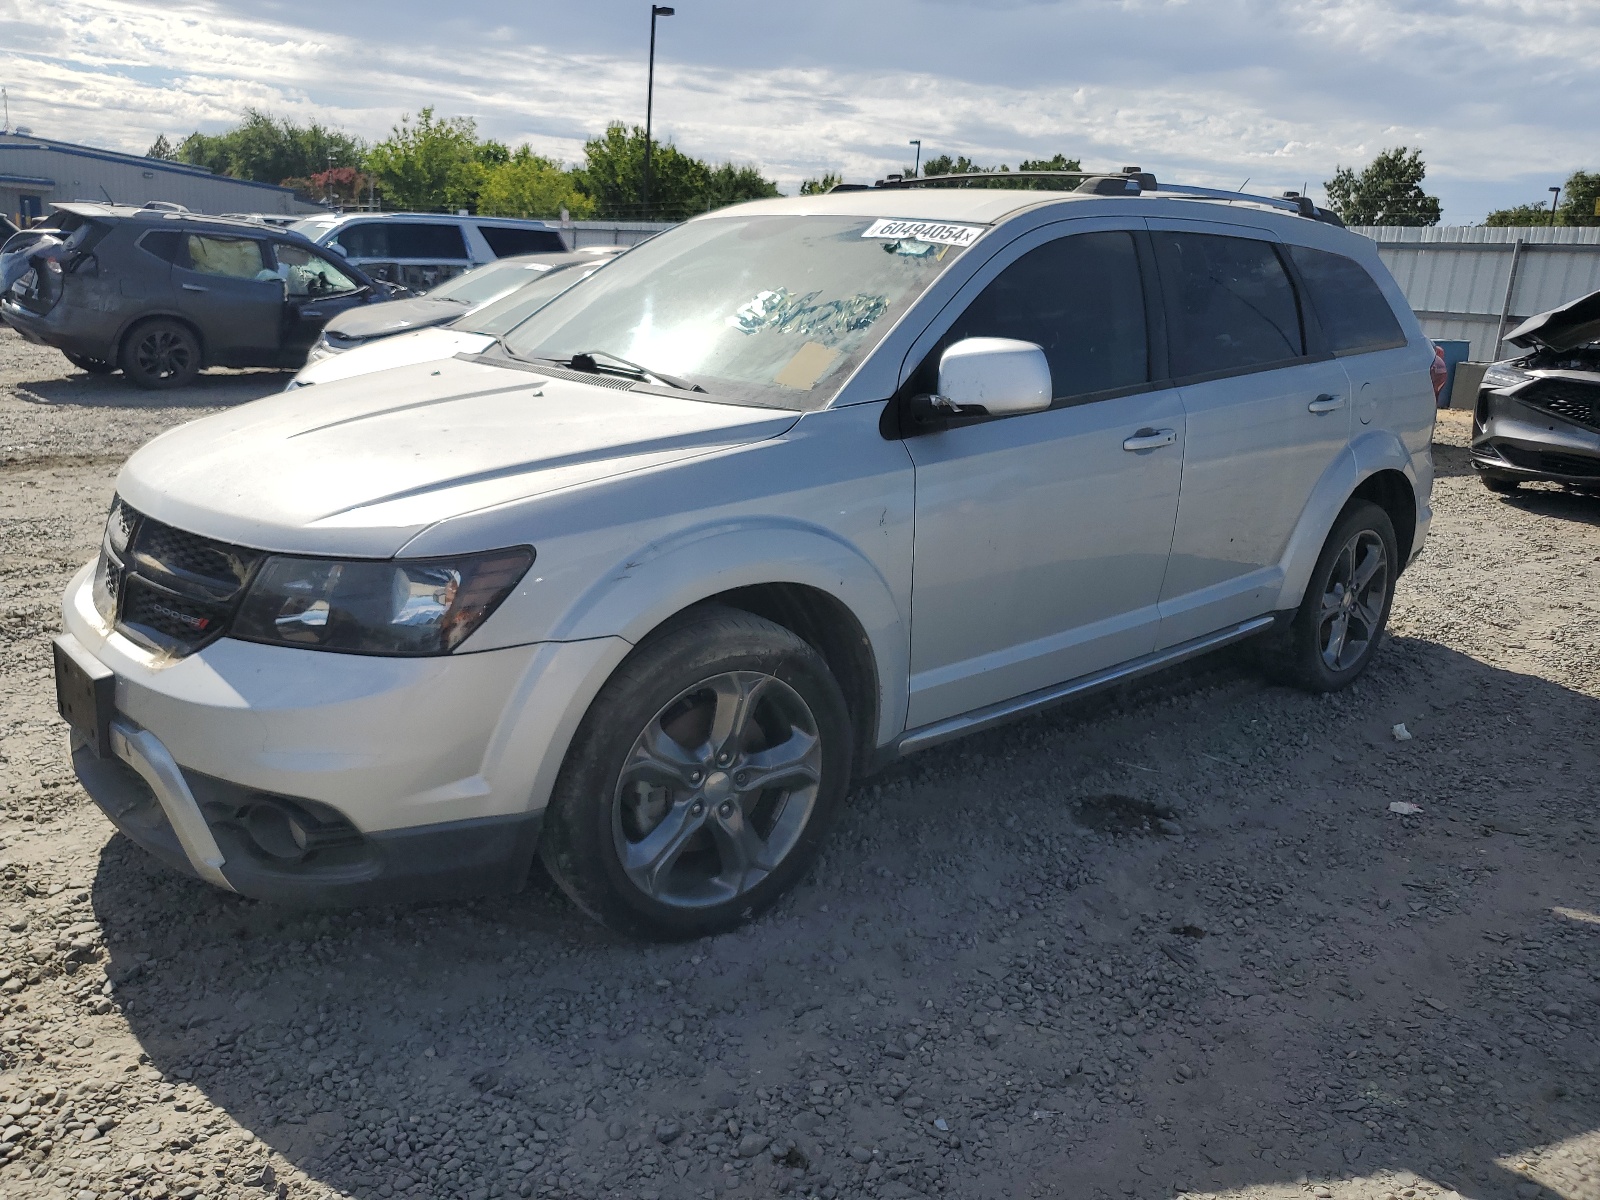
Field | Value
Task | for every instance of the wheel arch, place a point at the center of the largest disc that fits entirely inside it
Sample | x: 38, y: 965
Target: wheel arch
x: 1376, y: 467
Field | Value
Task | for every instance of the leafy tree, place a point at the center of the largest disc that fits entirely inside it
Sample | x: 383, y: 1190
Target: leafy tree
x: 815, y: 187
x: 491, y: 153
x: 345, y: 185
x: 1579, y: 205
x: 530, y: 185
x: 268, y: 150
x: 1387, y: 191
x: 680, y: 186
x: 429, y: 165
x: 1059, y: 163
x: 943, y: 164
x: 163, y: 149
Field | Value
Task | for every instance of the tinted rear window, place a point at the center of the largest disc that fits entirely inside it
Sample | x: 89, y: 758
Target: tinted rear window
x: 1348, y: 302
x: 506, y: 241
x: 426, y: 241
x: 1230, y: 304
x: 1078, y: 297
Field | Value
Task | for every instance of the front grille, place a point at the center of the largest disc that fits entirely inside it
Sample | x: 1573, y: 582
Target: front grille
x: 1566, y: 399
x: 166, y: 588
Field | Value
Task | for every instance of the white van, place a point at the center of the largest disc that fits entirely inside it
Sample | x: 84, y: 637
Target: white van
x: 419, y: 250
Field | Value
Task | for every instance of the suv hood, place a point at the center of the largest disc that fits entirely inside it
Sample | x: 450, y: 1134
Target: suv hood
x: 395, y: 316
x: 1561, y: 329
x: 361, y: 466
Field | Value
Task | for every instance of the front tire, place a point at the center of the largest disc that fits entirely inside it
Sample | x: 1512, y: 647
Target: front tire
x: 1339, y: 625
x: 702, y: 780
x: 161, y: 354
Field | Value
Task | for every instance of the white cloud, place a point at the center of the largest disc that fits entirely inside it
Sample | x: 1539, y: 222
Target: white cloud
x: 1209, y: 93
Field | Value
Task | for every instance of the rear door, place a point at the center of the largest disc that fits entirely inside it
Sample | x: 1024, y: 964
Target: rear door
x: 225, y: 286
x: 1267, y: 411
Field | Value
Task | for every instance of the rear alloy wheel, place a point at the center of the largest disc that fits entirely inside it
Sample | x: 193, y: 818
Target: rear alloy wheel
x: 95, y: 366
x: 1502, y: 485
x: 1340, y: 622
x: 161, y: 354
x: 702, y: 780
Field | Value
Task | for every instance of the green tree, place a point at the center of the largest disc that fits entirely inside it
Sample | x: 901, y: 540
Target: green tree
x: 530, y: 185
x: 816, y: 187
x: 1387, y: 191
x: 1059, y: 163
x: 163, y: 149
x: 680, y: 186
x: 1579, y: 205
x: 429, y: 165
x: 943, y: 164
x: 269, y: 150
x: 490, y: 153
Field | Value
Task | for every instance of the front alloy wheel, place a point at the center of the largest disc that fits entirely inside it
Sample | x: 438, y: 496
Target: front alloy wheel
x: 703, y: 778
x: 717, y: 790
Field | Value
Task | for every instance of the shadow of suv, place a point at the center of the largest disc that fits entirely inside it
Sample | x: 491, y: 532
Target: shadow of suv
x: 161, y: 293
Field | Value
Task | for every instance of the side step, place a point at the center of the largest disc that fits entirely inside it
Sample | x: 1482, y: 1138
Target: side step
x: 1006, y: 710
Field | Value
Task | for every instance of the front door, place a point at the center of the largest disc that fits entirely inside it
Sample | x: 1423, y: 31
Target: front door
x: 1042, y: 539
x: 1266, y: 418
x: 317, y: 291
x: 224, y: 286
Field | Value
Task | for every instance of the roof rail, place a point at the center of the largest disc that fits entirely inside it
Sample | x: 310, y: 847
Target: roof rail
x: 1129, y: 181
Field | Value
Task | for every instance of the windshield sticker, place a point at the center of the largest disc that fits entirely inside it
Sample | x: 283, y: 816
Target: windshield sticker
x: 925, y: 231
x: 827, y: 322
x: 808, y: 365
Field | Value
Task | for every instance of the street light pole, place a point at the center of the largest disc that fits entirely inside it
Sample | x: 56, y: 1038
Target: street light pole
x: 917, y: 142
x: 1555, y: 194
x: 656, y: 10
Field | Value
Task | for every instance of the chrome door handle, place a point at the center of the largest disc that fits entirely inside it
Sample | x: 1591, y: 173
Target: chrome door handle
x: 1150, y: 439
x: 1326, y: 403
x: 194, y: 287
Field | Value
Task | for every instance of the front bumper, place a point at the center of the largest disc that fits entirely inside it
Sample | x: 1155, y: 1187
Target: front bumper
x: 1516, y: 440
x: 429, y: 774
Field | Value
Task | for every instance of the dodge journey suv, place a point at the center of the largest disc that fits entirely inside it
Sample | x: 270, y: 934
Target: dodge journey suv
x: 793, y: 489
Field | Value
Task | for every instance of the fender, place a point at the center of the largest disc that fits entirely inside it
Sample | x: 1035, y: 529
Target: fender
x: 695, y: 564
x: 1373, y: 451
x: 153, y: 314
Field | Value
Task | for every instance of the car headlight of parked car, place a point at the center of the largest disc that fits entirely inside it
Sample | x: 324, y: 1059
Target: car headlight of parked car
x: 397, y: 607
x: 1503, y: 375
x: 321, y: 350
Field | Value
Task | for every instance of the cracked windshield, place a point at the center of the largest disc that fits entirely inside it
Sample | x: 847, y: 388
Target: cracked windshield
x: 772, y: 310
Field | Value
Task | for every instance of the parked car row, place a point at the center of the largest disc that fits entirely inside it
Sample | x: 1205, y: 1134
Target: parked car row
x: 161, y: 293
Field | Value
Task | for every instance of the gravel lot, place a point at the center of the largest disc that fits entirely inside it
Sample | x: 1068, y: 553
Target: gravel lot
x: 1173, y: 940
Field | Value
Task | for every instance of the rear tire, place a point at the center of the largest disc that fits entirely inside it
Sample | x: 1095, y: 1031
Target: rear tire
x: 1500, y: 485
x: 95, y: 366
x: 161, y: 354
x: 703, y: 779
x: 1339, y: 625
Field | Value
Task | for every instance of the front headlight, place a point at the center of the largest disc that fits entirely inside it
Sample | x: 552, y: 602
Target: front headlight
x: 399, y: 607
x: 321, y: 350
x: 1502, y: 375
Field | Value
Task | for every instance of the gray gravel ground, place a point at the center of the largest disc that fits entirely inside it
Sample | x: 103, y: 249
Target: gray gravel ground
x: 1171, y: 940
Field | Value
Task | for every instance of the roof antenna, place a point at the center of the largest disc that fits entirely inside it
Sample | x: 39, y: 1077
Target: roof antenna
x: 1245, y: 184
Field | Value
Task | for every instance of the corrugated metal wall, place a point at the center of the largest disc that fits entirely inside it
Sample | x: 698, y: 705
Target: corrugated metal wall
x: 612, y: 233
x: 1474, y: 284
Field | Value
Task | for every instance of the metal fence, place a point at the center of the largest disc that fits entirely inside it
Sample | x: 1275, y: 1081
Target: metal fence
x: 1475, y: 284
x: 612, y: 233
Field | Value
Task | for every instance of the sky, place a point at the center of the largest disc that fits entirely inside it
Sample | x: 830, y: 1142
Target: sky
x: 1500, y: 95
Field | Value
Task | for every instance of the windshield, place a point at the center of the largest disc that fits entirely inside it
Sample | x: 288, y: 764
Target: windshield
x: 313, y: 228
x: 486, y: 283
x: 502, y: 315
x: 773, y: 310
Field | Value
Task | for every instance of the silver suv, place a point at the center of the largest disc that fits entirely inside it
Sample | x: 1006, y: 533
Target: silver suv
x: 420, y: 250
x: 791, y: 490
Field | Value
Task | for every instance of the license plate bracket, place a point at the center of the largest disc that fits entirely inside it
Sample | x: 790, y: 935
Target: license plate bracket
x: 85, y: 693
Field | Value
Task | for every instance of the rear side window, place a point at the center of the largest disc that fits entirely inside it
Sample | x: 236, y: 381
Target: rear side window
x: 506, y: 241
x: 165, y: 244
x: 1230, y: 304
x: 1354, y: 315
x: 426, y: 241
x: 233, y: 258
x: 1078, y: 297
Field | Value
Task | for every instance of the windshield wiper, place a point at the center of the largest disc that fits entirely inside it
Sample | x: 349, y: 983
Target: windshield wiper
x: 585, y: 360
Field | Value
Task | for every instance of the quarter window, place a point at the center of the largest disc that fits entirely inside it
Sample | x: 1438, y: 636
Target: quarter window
x: 1081, y: 299
x: 1349, y: 305
x: 1230, y: 304
x: 426, y: 241
x: 232, y: 258
x: 506, y: 240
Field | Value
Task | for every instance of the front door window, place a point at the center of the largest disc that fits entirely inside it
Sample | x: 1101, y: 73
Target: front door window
x: 309, y: 276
